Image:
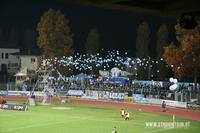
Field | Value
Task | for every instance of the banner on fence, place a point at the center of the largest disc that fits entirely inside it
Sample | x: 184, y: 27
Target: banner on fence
x: 102, y: 95
x: 118, y: 96
x: 75, y: 93
x: 13, y: 107
x: 3, y: 93
x: 139, y: 98
x: 25, y: 93
x: 105, y: 95
x: 168, y: 102
x: 92, y: 94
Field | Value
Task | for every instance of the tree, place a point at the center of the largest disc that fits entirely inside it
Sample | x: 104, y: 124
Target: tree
x: 92, y: 44
x: 29, y: 38
x: 142, y: 40
x: 162, y: 40
x: 1, y: 36
x: 13, y: 38
x: 142, y: 48
x: 184, y: 58
x: 55, y: 37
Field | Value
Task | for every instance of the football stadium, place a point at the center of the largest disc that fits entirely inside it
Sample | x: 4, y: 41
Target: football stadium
x: 99, y: 66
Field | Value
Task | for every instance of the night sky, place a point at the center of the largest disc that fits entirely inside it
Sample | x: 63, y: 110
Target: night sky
x: 117, y: 28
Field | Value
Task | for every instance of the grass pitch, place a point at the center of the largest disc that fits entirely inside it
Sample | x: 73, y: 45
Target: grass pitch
x: 74, y: 118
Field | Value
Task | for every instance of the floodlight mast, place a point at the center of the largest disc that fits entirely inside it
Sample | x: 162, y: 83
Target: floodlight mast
x: 42, y: 83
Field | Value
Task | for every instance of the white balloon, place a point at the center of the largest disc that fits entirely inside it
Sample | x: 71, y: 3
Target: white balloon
x: 173, y: 87
x: 175, y: 81
x: 171, y: 79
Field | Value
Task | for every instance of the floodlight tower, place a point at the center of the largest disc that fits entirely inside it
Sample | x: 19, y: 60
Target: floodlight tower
x: 42, y: 83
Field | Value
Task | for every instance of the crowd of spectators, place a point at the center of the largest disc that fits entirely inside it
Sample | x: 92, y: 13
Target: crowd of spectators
x: 148, y: 90
x: 153, y: 91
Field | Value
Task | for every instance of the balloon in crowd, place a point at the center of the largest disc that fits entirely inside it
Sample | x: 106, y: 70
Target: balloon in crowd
x: 174, y: 86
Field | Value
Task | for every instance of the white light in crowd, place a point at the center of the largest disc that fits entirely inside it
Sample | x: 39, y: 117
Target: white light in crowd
x: 112, y: 59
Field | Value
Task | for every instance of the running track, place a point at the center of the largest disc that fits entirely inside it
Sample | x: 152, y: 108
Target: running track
x: 185, y: 113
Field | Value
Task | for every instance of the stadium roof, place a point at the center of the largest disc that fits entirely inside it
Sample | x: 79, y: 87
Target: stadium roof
x: 165, y: 8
